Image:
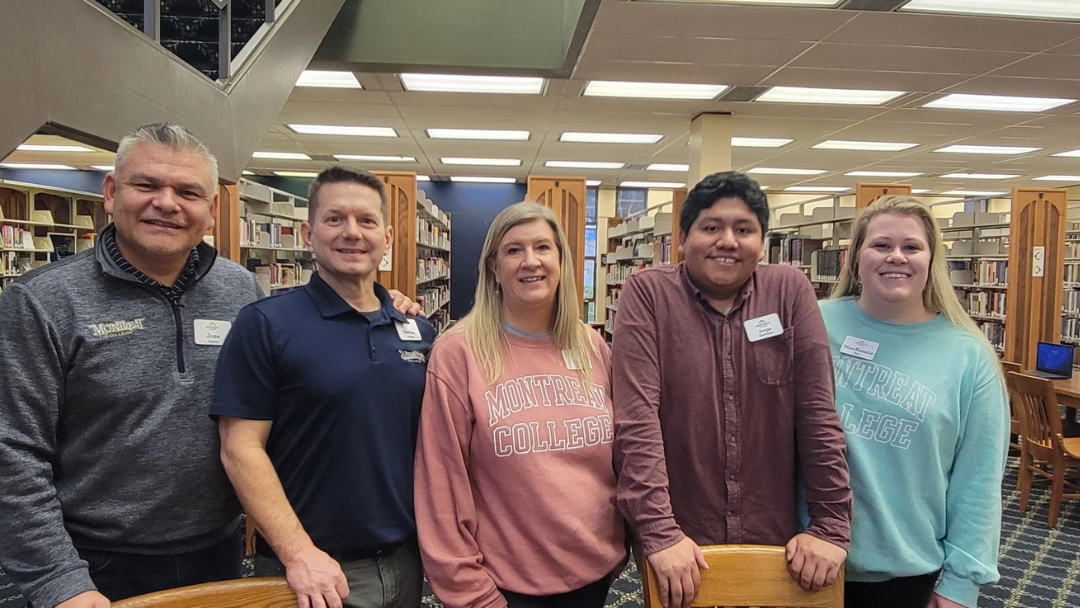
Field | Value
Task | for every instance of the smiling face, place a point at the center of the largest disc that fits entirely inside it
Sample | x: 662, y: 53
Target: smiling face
x: 348, y: 233
x: 722, y: 248
x: 526, y: 266
x: 162, y: 201
x: 894, y: 261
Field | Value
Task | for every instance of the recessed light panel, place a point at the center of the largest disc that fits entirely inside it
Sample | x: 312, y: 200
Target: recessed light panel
x: 781, y: 171
x: 479, y: 134
x: 999, y: 150
x: 281, y: 155
x: 980, y: 175
x: 375, y: 158
x: 857, y: 97
x: 659, y: 185
x: 329, y: 80
x: 343, y: 130
x: 1000, y: 103
x: 1069, y: 154
x: 816, y: 189
x: 668, y: 167
x: 423, y: 178
x: 592, y: 182
x: 652, y: 90
x: 583, y: 164
x: 610, y: 138
x: 780, y: 2
x: 469, y: 179
x: 296, y: 173
x: 51, y: 148
x: 456, y: 83
x: 1031, y: 9
x: 920, y: 191
x: 868, y: 146
x: 1057, y: 178
x: 46, y: 166
x: 759, y: 142
x: 487, y: 162
x: 102, y: 167
x: 882, y: 174
x: 974, y: 193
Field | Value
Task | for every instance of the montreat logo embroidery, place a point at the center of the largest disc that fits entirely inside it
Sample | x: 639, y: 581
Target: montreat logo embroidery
x: 412, y: 356
x: 115, y: 329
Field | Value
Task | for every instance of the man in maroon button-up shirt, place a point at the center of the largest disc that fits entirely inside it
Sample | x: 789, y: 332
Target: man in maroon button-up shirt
x: 723, y: 394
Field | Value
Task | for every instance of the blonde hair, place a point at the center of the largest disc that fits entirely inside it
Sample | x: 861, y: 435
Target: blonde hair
x: 483, y: 326
x: 938, y: 295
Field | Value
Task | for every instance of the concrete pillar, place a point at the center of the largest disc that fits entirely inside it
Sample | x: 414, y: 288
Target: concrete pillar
x: 710, y: 146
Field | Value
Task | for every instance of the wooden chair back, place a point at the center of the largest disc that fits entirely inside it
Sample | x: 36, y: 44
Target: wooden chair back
x: 750, y: 575
x: 1040, y: 418
x: 1014, y: 416
x: 268, y: 592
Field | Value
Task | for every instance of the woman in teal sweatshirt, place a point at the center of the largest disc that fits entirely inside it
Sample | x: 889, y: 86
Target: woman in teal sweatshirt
x: 921, y: 398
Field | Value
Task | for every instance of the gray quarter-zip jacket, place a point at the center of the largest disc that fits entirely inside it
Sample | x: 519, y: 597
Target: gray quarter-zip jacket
x: 105, y: 442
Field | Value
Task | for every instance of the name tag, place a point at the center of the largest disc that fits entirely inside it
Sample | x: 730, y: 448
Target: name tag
x: 570, y: 362
x: 763, y: 327
x: 858, y: 347
x: 408, y: 331
x: 211, y: 333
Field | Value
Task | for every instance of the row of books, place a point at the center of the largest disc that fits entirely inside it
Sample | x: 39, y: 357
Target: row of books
x: 986, y: 303
x: 612, y: 299
x: 796, y: 250
x: 617, y: 273
x: 1070, y: 302
x: 281, y: 274
x: 269, y: 234
x: 14, y: 237
x: 825, y: 264
x: 995, y: 332
x: 992, y: 272
x: 427, y: 233
x: 663, y: 248
x: 1070, y: 330
x: 1072, y: 272
x: 432, y: 299
x: 432, y: 268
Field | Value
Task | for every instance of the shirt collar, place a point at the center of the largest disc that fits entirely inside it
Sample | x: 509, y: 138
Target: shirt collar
x: 330, y: 304
x: 183, y: 281
x: 744, y: 292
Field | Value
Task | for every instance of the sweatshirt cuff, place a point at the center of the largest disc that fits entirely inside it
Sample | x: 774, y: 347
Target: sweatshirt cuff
x: 660, y: 535
x: 961, y: 590
x: 60, y: 588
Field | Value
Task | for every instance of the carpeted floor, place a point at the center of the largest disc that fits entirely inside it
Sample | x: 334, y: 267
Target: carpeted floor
x: 1040, y: 566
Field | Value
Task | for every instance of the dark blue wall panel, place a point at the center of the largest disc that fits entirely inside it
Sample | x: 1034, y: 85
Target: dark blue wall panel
x: 86, y: 181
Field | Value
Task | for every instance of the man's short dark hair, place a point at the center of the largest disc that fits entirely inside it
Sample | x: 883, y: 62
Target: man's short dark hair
x: 344, y: 175
x: 726, y: 184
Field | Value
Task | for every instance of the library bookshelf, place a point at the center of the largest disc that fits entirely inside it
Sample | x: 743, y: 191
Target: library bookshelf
x: 270, y: 240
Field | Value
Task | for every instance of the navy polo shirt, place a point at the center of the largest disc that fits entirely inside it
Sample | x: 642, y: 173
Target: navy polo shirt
x: 344, y: 393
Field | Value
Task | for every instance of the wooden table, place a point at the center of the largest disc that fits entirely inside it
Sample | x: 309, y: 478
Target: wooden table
x: 1068, y: 394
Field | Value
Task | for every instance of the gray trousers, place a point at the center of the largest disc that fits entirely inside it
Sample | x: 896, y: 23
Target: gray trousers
x: 394, y: 581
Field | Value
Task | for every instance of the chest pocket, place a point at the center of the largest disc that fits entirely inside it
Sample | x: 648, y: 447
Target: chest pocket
x: 773, y: 357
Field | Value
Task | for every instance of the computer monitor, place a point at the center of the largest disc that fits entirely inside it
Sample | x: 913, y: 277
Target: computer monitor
x: 1054, y: 359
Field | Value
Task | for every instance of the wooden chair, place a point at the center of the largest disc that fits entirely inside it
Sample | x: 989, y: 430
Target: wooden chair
x: 269, y: 592
x: 1046, y: 452
x: 1015, y: 445
x: 750, y: 575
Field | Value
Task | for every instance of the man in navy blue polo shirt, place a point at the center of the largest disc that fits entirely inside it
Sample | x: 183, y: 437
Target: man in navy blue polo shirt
x: 318, y: 399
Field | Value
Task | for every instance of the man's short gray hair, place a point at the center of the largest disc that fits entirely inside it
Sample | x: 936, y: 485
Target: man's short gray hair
x: 170, y: 135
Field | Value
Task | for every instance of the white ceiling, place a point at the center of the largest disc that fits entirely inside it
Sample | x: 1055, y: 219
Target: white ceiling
x: 925, y: 55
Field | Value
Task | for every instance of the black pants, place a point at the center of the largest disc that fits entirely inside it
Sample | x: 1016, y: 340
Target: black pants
x: 121, y: 575
x: 905, y: 592
x: 593, y: 595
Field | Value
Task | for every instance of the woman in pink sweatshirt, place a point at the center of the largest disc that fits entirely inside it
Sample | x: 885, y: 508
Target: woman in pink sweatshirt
x: 515, y: 490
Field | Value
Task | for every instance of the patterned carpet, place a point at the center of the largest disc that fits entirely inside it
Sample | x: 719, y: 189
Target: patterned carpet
x: 1040, y: 567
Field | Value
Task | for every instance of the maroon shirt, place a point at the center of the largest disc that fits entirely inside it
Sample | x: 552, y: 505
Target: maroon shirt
x: 712, y: 430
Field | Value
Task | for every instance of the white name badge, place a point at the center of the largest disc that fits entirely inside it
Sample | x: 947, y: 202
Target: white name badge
x: 859, y: 347
x: 211, y: 333
x: 408, y: 331
x: 763, y: 327
x: 570, y: 362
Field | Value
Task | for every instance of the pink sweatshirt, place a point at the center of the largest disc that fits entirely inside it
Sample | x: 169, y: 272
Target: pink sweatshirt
x: 515, y: 487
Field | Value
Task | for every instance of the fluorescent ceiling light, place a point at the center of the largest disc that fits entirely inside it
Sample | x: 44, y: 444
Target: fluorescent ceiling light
x: 456, y: 83
x: 36, y: 166
x: 775, y: 171
x: 883, y: 174
x: 1000, y: 103
x: 1001, y: 150
x: 487, y: 162
x: 246, y: 172
x: 980, y: 175
x: 489, y: 134
x: 296, y: 173
x: 329, y: 80
x: 281, y: 155
x: 869, y: 146
x: 858, y: 97
x: 592, y: 182
x: 423, y: 178
x: 652, y: 90
x: 920, y: 191
x: 1069, y: 154
x: 1033, y: 9
x: 759, y: 142
x: 583, y: 164
x: 51, y: 148
x: 661, y: 185
x: 610, y: 138
x: 482, y: 180
x: 783, y: 2
x: 667, y: 167
x: 375, y: 158
x: 1057, y: 178
x: 816, y: 189
x: 974, y: 193
x: 343, y: 130
x: 102, y: 167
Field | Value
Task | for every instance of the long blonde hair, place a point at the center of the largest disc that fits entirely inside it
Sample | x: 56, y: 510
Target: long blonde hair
x: 483, y: 325
x: 938, y: 295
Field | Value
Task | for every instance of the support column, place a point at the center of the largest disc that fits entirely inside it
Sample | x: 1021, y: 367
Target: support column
x: 710, y: 146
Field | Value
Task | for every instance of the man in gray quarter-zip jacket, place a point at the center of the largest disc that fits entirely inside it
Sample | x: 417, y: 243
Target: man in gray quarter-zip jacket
x: 110, y: 478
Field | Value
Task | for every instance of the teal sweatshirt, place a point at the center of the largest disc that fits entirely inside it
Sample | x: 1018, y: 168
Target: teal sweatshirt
x: 926, y: 418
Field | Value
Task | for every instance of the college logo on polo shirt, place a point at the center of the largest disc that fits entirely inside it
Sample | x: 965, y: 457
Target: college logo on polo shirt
x: 412, y: 356
x: 117, y: 329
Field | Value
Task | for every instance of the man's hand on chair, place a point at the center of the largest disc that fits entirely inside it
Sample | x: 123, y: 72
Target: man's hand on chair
x: 812, y: 562
x: 678, y: 573
x: 86, y: 599
x: 316, y: 579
